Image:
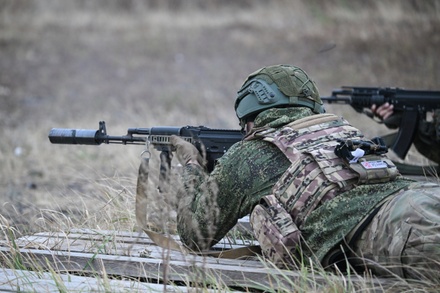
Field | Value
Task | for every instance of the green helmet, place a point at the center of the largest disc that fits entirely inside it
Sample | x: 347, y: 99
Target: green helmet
x: 276, y: 86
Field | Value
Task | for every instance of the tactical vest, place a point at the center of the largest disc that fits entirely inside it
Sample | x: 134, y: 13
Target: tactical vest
x: 317, y: 174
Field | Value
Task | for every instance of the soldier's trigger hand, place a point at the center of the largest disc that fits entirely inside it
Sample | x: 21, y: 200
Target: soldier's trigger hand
x: 186, y: 152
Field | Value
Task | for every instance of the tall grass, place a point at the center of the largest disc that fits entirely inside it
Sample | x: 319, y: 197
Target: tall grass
x: 147, y: 63
x: 70, y: 64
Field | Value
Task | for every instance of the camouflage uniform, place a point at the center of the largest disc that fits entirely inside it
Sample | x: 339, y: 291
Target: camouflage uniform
x: 427, y: 139
x: 403, y: 238
x: 240, y: 179
x: 310, y: 196
x: 210, y: 205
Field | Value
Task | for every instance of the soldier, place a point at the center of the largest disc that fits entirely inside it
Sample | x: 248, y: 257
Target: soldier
x: 427, y: 139
x: 315, y: 189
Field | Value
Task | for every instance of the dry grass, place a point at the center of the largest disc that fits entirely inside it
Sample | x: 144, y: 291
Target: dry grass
x: 147, y: 63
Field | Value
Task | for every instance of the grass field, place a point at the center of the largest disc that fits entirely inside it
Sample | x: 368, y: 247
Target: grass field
x: 70, y: 64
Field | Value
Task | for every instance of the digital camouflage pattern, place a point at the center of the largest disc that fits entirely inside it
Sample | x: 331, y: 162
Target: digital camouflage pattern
x: 316, y: 174
x: 210, y: 205
x: 238, y: 182
x: 427, y: 139
x: 332, y: 221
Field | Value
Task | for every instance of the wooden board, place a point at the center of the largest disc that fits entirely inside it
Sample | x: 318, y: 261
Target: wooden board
x: 29, y: 281
x: 103, y: 254
x: 134, y: 255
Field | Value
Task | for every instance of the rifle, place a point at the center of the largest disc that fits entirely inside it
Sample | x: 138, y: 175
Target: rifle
x: 413, y: 104
x: 211, y: 143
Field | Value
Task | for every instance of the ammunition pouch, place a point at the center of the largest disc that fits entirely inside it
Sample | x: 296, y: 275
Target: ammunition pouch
x: 275, y: 231
x: 374, y: 169
x: 367, y: 159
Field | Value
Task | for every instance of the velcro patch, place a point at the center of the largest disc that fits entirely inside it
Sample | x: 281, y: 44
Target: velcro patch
x: 374, y: 164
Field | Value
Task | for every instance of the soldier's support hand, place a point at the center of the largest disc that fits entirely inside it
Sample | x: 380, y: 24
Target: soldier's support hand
x: 383, y: 111
x: 386, y: 113
x: 186, y: 152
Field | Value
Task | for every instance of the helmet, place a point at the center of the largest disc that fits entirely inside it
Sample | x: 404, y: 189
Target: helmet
x: 276, y: 86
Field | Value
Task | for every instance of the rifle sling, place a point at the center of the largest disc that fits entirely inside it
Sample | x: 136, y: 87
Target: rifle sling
x: 168, y: 242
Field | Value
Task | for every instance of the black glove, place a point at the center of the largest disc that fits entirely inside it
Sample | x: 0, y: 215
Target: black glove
x: 393, y: 121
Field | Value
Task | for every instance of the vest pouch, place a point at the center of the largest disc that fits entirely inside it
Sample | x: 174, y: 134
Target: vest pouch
x: 374, y: 169
x: 275, y: 230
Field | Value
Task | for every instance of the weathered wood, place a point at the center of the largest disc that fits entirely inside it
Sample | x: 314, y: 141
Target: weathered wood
x: 119, y: 243
x: 114, y: 253
x: 118, y: 253
x: 29, y: 281
x: 112, y: 236
x: 236, y: 275
x: 125, y: 246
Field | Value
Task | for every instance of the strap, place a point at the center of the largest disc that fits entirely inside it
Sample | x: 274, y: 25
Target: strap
x: 313, y: 120
x: 167, y: 242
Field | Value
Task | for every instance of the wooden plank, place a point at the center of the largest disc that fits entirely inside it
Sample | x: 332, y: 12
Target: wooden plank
x: 138, y: 237
x: 82, y: 244
x: 112, y: 236
x: 154, y: 269
x: 28, y: 281
x: 79, y: 246
x: 134, y: 255
x: 118, y: 243
x: 188, y: 272
x: 51, y: 239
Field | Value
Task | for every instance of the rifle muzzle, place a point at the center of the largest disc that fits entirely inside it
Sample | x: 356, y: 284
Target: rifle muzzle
x: 74, y: 136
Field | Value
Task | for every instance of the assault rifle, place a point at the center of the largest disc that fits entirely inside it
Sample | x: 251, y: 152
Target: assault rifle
x: 211, y: 143
x: 413, y: 104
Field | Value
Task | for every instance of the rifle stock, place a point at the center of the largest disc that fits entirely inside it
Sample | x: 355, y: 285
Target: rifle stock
x: 413, y: 104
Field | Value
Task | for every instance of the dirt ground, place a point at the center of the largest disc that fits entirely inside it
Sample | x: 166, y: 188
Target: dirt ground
x: 70, y: 64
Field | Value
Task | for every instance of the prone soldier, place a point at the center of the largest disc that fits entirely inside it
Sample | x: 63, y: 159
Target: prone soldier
x: 312, y: 194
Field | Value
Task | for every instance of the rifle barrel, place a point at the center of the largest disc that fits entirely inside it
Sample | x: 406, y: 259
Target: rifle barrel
x: 90, y: 137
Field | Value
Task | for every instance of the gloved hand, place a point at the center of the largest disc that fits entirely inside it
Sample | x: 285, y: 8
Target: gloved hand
x: 186, y: 152
x: 385, y: 113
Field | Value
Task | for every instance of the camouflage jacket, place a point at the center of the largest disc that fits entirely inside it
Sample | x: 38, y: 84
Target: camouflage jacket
x: 427, y: 139
x: 210, y: 205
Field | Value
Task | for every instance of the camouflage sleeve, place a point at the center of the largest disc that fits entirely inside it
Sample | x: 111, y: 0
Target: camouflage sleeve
x: 209, y: 205
x: 427, y: 139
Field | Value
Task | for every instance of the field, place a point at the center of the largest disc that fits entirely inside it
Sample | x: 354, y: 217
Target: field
x: 71, y: 64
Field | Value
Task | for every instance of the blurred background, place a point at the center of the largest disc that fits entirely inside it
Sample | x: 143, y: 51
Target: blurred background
x: 145, y: 63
